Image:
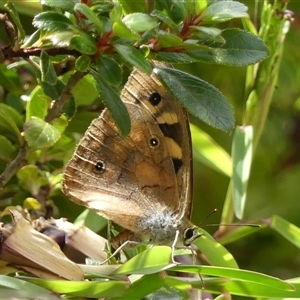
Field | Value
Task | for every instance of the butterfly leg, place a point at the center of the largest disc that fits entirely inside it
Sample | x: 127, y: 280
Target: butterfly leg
x: 174, y: 246
x: 119, y: 249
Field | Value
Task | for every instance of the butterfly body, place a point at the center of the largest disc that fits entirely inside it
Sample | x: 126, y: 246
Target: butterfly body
x: 142, y: 182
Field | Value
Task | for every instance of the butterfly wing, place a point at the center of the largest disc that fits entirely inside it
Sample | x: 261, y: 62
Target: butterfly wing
x: 145, y: 172
x: 173, y: 122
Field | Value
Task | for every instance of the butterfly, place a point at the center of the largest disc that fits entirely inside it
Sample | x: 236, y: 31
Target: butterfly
x: 142, y: 182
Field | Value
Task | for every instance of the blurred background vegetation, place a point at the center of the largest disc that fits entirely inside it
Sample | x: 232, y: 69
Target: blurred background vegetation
x: 274, y: 186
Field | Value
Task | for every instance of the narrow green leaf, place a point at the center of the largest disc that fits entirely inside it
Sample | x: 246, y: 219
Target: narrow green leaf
x: 209, y: 152
x: 235, y: 233
x: 286, y: 229
x: 47, y: 70
x: 113, y: 102
x: 40, y: 134
x: 149, y: 261
x: 144, y: 286
x: 238, y: 274
x: 216, y: 254
x: 90, y: 289
x: 242, y: 148
x: 222, y: 11
x: 258, y: 290
x: 7, y: 150
x: 18, y: 284
x: 201, y: 99
x: 134, y: 57
x: 139, y: 22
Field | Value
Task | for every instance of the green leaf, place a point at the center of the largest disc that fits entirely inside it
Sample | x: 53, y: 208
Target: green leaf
x: 24, y: 287
x: 149, y: 261
x: 111, y: 69
x: 166, y: 19
x: 13, y: 13
x: 113, y: 103
x: 7, y: 150
x: 90, y: 15
x: 235, y: 233
x: 83, y: 44
x: 133, y: 6
x: 53, y: 91
x: 139, y: 22
x: 47, y: 70
x: 215, y: 253
x: 10, y: 122
x: 12, y: 114
x: 63, y: 4
x: 10, y: 80
x: 206, y: 150
x: 286, y: 229
x: 168, y: 40
x: 201, y: 99
x: 241, y: 276
x: 80, y: 94
x: 134, y: 57
x: 242, y: 148
x: 52, y: 21
x: 222, y: 11
x: 173, y: 57
x: 40, y: 134
x: 89, y: 289
x: 144, y: 286
x: 116, y: 13
x: 82, y: 63
x: 240, y: 49
x: 31, y: 179
x: 179, y: 9
x: 38, y: 104
x: 121, y: 30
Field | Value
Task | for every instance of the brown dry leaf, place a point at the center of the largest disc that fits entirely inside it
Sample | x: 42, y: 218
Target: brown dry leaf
x: 28, y: 248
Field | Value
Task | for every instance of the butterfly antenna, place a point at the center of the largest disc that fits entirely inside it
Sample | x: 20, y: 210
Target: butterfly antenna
x: 206, y: 217
x: 214, y: 211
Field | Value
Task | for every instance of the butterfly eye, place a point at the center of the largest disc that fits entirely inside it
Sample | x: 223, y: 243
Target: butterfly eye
x: 190, y: 235
x: 155, y: 98
x: 154, y: 142
x: 100, y: 167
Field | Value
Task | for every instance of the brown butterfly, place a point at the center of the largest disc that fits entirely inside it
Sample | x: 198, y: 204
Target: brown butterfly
x: 142, y: 182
